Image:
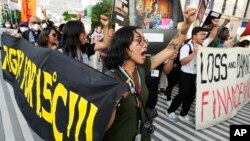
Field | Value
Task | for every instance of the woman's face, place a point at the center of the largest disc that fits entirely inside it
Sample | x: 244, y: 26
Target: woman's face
x: 82, y: 38
x: 52, y: 39
x: 156, y: 7
x: 138, y: 48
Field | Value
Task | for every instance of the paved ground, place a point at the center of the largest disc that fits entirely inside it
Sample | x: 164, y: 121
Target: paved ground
x: 13, y: 126
x: 167, y: 130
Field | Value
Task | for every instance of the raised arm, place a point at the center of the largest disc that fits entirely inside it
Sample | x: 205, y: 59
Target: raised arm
x: 189, y: 58
x: 78, y: 16
x: 48, y: 21
x: 45, y: 15
x: 169, y: 64
x: 176, y: 42
x: 213, y: 32
x: 106, y: 39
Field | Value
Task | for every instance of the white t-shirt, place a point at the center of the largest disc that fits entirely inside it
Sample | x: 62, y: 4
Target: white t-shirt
x: 97, y: 37
x: 184, y: 52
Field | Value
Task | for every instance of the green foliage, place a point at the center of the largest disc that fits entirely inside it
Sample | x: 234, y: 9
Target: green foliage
x: 18, y: 15
x: 104, y: 8
x: 14, y: 16
x: 85, y: 11
x: 68, y: 16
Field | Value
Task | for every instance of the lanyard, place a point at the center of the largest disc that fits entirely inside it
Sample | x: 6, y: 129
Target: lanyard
x: 136, y: 92
x: 137, y: 88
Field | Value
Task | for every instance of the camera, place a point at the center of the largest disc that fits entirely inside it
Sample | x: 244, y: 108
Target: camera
x: 147, y: 128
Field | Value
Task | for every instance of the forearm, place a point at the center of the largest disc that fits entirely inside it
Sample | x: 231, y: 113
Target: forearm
x: 187, y: 59
x: 168, y: 66
x: 46, y: 17
x: 48, y: 22
x: 172, y: 47
x: 106, y: 39
x: 180, y: 37
x: 212, y: 34
x: 175, y: 44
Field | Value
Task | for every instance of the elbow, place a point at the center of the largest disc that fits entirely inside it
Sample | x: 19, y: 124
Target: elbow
x: 183, y: 62
x: 167, y: 70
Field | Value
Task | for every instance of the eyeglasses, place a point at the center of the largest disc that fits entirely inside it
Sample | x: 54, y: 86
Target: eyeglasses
x: 35, y: 22
x: 141, y: 41
x: 54, y: 35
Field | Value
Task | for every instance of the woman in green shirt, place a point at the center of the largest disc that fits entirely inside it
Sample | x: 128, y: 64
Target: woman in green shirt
x: 126, y: 58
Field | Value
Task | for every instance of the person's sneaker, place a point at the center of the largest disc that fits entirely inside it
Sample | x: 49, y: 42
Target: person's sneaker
x: 169, y: 102
x: 186, y: 118
x: 172, y: 116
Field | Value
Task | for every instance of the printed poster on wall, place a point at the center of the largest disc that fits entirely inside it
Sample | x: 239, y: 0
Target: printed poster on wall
x: 120, y: 13
x: 157, y: 14
x: 158, y: 20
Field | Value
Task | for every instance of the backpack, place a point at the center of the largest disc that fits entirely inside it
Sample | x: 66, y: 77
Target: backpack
x: 177, y: 59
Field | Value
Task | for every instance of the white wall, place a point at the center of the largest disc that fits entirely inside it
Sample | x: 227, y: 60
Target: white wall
x: 248, y: 12
x: 218, y: 5
x: 241, y: 6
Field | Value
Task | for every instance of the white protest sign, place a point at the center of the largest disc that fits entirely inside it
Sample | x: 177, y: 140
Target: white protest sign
x: 223, y: 84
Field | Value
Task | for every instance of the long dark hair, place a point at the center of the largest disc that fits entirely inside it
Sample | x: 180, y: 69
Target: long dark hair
x: 121, y: 40
x: 244, y: 43
x: 153, y: 7
x: 70, y: 37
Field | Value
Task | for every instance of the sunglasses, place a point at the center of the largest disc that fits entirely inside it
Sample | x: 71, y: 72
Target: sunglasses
x: 54, y: 35
x: 23, y: 26
x: 35, y: 22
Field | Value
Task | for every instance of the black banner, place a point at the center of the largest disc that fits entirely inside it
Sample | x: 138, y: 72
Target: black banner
x: 60, y: 98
